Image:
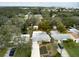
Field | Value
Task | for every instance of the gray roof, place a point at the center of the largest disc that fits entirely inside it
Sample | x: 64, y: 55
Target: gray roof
x: 74, y: 30
x: 61, y: 36
x: 58, y: 36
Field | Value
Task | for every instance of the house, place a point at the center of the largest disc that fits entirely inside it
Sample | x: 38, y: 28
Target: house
x: 75, y: 34
x: 73, y: 30
x: 40, y: 36
x: 60, y: 37
x: 38, y: 16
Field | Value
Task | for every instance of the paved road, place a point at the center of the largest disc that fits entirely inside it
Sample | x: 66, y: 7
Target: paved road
x: 7, y: 53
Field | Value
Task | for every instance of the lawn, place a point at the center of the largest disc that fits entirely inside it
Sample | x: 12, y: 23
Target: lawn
x: 72, y: 48
x: 3, y: 51
x: 24, y: 51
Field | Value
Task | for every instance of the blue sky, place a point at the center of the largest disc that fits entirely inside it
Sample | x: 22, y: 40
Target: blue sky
x: 46, y: 4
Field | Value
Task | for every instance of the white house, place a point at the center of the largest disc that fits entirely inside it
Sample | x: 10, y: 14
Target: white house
x: 40, y: 36
x: 75, y: 34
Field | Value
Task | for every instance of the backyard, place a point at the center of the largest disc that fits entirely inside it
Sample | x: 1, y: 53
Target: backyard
x: 48, y: 50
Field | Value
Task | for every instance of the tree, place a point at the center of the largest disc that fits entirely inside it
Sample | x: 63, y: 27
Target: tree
x: 7, y: 32
x: 11, y: 28
x: 3, y: 19
x: 70, y: 21
x: 46, y: 15
x: 44, y: 26
x: 60, y: 26
x: 51, y: 13
x: 18, y: 22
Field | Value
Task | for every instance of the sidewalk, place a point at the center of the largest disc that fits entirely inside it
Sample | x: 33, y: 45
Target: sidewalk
x: 64, y: 52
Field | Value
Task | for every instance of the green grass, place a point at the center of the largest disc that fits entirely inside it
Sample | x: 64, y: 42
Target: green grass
x: 23, y: 51
x: 73, y: 49
x: 57, y: 55
x: 3, y: 51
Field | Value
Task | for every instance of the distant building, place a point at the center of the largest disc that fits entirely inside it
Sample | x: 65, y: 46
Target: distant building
x: 38, y: 17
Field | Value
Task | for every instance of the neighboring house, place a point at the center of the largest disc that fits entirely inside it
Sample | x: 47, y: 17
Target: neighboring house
x: 73, y: 30
x: 60, y: 37
x: 40, y: 36
x: 75, y: 34
x: 38, y: 16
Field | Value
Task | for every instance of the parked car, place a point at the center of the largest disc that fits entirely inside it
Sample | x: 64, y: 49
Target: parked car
x: 12, y: 52
x: 61, y: 46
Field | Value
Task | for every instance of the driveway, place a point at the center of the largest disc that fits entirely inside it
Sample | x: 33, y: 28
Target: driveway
x: 35, y: 49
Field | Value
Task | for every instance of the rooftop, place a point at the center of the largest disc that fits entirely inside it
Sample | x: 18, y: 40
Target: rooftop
x: 40, y: 36
x: 58, y: 36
